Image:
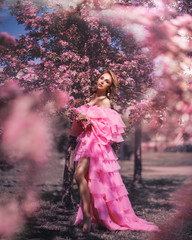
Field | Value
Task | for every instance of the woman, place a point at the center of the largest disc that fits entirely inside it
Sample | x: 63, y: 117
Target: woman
x: 103, y: 195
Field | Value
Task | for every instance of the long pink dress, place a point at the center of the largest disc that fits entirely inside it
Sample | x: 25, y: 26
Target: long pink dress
x: 109, y: 205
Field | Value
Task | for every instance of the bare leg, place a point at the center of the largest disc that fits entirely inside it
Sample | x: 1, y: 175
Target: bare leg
x: 80, y: 173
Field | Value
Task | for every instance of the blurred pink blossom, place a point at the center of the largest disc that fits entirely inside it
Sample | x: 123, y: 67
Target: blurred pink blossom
x: 61, y: 98
x: 10, y: 88
x: 11, y: 219
x: 56, y: 4
x: 6, y: 40
x: 26, y: 132
x: 30, y: 203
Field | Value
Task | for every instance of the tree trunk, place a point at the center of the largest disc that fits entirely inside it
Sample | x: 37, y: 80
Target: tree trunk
x: 137, y: 180
x: 67, y: 198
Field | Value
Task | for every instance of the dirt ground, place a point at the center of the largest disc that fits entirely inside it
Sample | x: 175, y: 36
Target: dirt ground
x: 163, y: 174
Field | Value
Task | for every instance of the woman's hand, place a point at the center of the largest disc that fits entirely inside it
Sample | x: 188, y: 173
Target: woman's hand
x: 85, y: 121
x: 83, y: 117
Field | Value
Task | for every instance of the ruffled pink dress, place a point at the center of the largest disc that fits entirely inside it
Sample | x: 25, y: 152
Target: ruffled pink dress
x: 109, y: 205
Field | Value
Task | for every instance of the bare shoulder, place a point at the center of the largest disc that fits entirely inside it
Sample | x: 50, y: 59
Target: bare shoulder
x: 106, y: 103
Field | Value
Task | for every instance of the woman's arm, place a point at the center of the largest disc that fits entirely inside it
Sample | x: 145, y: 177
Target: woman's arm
x: 83, y: 117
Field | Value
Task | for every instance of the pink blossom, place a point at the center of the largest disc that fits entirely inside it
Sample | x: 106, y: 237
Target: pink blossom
x: 184, y: 20
x: 6, y: 40
x: 30, y: 203
x: 10, y: 88
x: 63, y: 43
x: 24, y: 131
x: 61, y: 98
x: 11, y: 219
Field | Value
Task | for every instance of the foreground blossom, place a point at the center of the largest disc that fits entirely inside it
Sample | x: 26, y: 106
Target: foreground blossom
x: 11, y: 218
x: 169, y: 42
x: 27, y: 137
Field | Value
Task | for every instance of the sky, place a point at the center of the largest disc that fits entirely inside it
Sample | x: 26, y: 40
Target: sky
x: 9, y: 24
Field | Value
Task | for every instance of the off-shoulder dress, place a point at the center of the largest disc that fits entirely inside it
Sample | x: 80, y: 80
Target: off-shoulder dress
x: 109, y: 202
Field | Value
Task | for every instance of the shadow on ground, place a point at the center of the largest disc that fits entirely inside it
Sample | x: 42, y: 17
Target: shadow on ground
x: 153, y: 194
x: 52, y: 222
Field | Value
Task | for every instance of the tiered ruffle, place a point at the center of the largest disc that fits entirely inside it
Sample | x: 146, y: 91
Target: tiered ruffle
x: 110, y: 205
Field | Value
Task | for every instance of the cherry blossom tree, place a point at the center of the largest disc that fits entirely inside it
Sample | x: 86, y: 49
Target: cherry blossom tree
x: 71, y: 47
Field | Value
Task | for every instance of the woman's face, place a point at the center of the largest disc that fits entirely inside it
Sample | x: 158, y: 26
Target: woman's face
x: 104, y: 82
